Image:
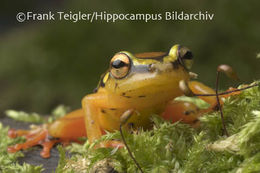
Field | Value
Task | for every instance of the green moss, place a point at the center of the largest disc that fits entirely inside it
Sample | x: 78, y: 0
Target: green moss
x: 171, y: 147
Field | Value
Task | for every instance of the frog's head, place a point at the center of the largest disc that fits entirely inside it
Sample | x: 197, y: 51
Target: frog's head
x: 138, y: 75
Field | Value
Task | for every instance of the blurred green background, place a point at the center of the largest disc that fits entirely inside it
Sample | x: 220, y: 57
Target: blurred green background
x: 43, y: 64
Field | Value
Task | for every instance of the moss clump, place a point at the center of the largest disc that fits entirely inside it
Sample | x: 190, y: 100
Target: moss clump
x: 180, y: 148
x: 173, y: 147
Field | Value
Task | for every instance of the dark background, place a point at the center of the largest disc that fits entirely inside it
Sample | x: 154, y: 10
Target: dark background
x: 43, y: 64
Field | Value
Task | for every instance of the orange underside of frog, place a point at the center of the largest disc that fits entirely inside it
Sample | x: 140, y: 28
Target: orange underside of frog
x: 146, y: 82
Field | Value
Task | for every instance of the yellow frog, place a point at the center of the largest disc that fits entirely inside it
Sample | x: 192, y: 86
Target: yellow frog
x: 146, y: 83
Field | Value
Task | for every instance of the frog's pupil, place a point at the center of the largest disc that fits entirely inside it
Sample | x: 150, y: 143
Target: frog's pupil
x: 118, y: 64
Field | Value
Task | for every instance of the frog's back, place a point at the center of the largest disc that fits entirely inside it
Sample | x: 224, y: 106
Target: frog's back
x: 151, y: 55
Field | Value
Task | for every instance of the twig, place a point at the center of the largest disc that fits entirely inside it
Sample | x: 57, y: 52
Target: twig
x: 128, y: 149
x: 219, y: 106
x: 123, y: 119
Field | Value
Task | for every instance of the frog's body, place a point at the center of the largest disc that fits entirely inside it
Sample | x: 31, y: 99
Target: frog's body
x: 143, y: 82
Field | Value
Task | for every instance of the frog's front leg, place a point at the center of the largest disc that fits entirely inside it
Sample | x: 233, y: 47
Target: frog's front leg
x: 90, y: 105
x: 96, y: 120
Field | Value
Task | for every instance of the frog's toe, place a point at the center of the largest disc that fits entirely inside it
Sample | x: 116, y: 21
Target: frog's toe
x: 35, y: 136
x: 12, y: 133
x: 31, y: 140
x: 113, y: 144
x: 47, y: 146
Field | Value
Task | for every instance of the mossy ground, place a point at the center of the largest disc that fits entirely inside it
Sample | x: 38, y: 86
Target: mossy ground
x: 170, y: 147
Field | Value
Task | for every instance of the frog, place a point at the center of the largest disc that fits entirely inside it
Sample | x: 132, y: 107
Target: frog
x: 145, y: 83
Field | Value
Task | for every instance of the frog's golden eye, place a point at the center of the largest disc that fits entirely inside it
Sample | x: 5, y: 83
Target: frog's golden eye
x: 185, y: 57
x: 119, y: 65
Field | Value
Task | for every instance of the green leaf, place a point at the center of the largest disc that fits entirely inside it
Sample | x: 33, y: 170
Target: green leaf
x: 24, y: 117
x: 58, y: 112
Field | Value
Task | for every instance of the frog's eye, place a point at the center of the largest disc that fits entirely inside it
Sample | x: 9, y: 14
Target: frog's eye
x: 119, y: 65
x: 185, y: 56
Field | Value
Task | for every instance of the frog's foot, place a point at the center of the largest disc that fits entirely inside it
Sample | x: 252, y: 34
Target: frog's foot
x: 36, y: 136
x: 188, y: 112
x: 63, y: 130
x: 231, y: 92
